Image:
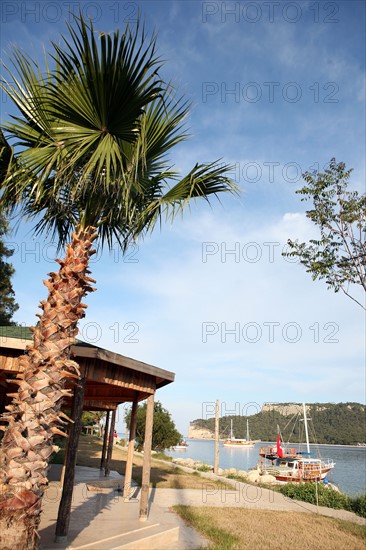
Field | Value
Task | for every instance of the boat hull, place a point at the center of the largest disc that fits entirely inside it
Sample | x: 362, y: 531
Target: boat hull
x: 238, y: 443
x: 299, y: 478
x: 292, y: 471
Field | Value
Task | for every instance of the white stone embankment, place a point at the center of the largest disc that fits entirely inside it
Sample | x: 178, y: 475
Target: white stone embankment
x: 199, y: 433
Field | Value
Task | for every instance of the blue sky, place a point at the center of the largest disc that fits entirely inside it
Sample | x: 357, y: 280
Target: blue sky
x: 277, y: 88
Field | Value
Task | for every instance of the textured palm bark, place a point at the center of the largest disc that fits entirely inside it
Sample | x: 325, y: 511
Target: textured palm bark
x: 34, y: 415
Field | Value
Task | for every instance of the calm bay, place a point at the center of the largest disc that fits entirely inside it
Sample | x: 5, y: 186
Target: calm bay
x: 349, y: 474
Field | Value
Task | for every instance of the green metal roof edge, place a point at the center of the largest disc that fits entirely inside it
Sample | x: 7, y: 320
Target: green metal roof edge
x: 24, y: 333
x: 16, y: 331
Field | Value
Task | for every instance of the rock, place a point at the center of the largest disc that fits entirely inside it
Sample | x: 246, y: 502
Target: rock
x: 231, y: 472
x: 267, y: 478
x: 254, y: 476
x: 188, y: 462
x: 200, y: 433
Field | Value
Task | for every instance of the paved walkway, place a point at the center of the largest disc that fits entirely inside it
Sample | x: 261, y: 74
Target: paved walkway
x: 242, y: 495
x: 101, y: 520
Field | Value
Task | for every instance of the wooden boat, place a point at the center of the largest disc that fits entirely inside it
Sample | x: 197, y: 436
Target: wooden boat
x: 279, y: 450
x: 299, y: 469
x: 182, y: 446
x: 287, y: 464
x: 234, y: 442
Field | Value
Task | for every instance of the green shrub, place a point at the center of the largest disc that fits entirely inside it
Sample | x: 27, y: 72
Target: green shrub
x: 204, y: 468
x: 307, y: 492
x: 57, y: 457
x: 358, y: 505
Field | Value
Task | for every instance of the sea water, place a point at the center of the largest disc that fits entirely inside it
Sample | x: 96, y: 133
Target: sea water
x: 349, y: 473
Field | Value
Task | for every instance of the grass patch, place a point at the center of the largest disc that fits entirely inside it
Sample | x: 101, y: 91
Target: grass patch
x: 204, y: 468
x: 243, y: 529
x: 221, y: 538
x: 163, y: 475
x: 242, y: 479
x: 308, y: 492
x: 163, y: 456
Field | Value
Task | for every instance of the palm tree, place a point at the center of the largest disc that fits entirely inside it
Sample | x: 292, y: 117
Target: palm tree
x: 89, y: 165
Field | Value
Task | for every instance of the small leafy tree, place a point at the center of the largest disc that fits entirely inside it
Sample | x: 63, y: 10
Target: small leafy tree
x: 8, y: 305
x: 164, y: 435
x: 339, y: 255
x: 93, y: 418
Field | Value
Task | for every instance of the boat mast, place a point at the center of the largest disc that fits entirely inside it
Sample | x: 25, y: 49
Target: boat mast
x: 247, y: 430
x: 231, y: 430
x: 306, y: 429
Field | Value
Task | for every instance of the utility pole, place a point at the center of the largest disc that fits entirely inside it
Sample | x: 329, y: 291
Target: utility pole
x: 217, y: 442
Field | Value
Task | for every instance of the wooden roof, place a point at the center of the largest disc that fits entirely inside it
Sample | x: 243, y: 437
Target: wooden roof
x: 111, y: 378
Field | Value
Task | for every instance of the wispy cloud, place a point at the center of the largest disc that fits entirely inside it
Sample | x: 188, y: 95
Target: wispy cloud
x: 281, y: 98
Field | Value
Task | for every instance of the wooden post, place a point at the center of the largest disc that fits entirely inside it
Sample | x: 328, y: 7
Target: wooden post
x: 105, y: 439
x: 127, y: 431
x: 66, y: 448
x: 110, y: 444
x: 217, y: 441
x: 146, y: 467
x: 3, y: 385
x: 130, y: 450
x: 63, y: 517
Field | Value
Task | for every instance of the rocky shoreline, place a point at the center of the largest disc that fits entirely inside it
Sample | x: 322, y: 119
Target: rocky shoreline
x: 252, y: 476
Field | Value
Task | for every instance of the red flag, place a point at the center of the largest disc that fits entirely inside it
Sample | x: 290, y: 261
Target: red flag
x: 279, y: 446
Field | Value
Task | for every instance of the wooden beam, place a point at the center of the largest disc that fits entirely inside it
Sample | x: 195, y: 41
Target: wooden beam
x: 131, y: 447
x: 146, y: 467
x: 123, y: 361
x: 92, y: 405
x: 110, y: 444
x: 105, y: 439
x: 63, y: 517
x: 108, y: 364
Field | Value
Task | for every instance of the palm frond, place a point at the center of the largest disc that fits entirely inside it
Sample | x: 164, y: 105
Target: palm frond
x: 93, y: 137
x: 6, y: 156
x: 203, y: 181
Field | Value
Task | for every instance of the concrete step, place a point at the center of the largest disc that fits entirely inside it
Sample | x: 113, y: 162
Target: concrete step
x: 151, y: 537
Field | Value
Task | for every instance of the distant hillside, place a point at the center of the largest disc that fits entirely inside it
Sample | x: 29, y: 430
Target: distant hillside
x: 332, y: 423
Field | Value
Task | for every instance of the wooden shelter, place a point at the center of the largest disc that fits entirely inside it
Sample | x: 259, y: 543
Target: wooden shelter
x: 107, y: 380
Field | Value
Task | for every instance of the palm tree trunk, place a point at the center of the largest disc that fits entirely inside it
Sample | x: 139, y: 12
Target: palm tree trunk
x: 34, y: 415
